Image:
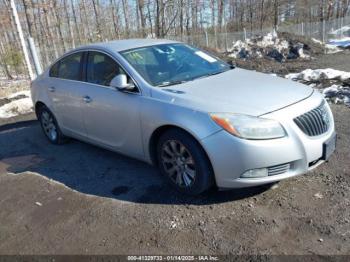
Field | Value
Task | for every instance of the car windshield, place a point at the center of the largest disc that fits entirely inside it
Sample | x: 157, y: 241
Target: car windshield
x: 169, y: 64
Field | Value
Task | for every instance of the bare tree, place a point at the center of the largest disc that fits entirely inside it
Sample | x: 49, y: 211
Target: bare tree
x: 58, y: 25
x: 69, y: 25
x: 142, y: 17
x: 57, y: 16
x: 275, y: 13
x: 29, y: 16
x: 115, y: 17
x: 76, y: 26
x: 126, y: 17
x: 98, y: 25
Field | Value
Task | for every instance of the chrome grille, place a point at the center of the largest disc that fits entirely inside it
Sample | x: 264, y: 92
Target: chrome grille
x: 314, y: 122
x: 279, y: 169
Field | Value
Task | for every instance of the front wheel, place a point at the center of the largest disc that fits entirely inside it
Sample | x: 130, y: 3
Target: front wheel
x: 50, y: 127
x: 184, y: 163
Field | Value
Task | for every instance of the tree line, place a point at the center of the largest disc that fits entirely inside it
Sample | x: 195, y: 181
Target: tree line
x: 59, y: 25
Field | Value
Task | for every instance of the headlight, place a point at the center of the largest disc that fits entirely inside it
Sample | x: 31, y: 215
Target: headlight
x: 249, y: 127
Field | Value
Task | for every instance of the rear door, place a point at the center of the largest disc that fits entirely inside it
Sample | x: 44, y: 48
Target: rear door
x: 112, y: 117
x: 66, y: 91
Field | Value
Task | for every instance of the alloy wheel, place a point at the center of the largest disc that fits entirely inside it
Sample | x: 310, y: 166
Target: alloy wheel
x: 49, y: 125
x: 178, y: 163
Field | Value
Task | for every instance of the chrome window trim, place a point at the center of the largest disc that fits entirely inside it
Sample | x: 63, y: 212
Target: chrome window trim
x: 138, y: 91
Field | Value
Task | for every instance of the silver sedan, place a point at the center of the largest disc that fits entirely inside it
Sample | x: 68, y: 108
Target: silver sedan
x: 201, y: 121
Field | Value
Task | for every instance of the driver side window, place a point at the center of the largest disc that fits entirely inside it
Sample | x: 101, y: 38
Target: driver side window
x: 101, y: 69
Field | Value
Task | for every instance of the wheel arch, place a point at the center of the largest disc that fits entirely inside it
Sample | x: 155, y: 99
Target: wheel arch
x: 157, y: 133
x: 38, y: 105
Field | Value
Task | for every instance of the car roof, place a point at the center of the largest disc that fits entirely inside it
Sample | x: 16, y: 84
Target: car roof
x: 122, y: 45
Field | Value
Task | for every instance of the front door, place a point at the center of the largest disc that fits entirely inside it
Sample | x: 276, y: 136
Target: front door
x: 112, y: 118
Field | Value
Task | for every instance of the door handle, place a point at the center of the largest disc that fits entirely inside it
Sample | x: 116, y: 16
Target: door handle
x: 87, y: 99
x: 52, y: 89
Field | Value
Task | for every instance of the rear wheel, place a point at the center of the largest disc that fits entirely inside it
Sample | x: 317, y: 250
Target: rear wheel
x: 50, y: 127
x: 184, y: 163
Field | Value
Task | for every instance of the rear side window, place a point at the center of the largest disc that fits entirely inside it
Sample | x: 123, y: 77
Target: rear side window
x: 54, y: 70
x: 68, y: 68
x: 101, y: 69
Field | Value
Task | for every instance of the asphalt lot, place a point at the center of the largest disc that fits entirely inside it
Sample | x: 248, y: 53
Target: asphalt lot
x: 80, y: 199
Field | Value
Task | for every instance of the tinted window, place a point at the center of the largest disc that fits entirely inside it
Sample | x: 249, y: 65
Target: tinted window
x: 54, y: 70
x: 69, y: 67
x: 101, y: 69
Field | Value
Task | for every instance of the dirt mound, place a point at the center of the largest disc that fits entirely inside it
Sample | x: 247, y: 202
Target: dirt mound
x: 334, y: 84
x: 279, y: 47
x: 314, y: 48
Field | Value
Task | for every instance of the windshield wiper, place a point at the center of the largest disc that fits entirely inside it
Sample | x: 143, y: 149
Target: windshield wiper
x: 171, y: 83
x: 194, y: 78
x: 209, y: 74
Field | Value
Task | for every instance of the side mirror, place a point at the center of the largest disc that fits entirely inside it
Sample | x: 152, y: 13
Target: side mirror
x: 121, y: 83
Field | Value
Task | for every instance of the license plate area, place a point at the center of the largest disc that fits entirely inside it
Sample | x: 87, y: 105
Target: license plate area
x: 329, y: 147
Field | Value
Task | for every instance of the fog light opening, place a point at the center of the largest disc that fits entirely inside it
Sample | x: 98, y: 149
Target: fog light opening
x: 255, y: 173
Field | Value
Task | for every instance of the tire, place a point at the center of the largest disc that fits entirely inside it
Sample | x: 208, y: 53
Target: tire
x: 50, y: 126
x: 182, y: 160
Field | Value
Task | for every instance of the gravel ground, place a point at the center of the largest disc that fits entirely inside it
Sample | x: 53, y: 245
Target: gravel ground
x: 339, y: 61
x: 79, y: 199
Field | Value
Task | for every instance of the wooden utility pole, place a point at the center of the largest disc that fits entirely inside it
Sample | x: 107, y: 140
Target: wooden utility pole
x: 21, y: 38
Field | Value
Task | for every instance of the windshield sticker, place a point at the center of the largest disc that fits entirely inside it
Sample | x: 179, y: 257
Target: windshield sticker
x: 206, y: 57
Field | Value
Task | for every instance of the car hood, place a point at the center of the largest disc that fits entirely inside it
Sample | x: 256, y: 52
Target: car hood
x: 236, y: 91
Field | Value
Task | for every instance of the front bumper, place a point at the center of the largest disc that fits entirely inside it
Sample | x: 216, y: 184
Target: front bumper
x: 231, y: 156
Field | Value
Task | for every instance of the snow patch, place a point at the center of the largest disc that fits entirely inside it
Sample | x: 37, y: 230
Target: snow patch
x: 320, y: 74
x: 339, y: 90
x: 17, y: 107
x: 342, y: 30
x: 337, y: 94
x: 270, y: 46
x: 317, y: 41
x: 330, y: 49
x: 302, y: 54
x: 330, y: 90
x: 20, y: 93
